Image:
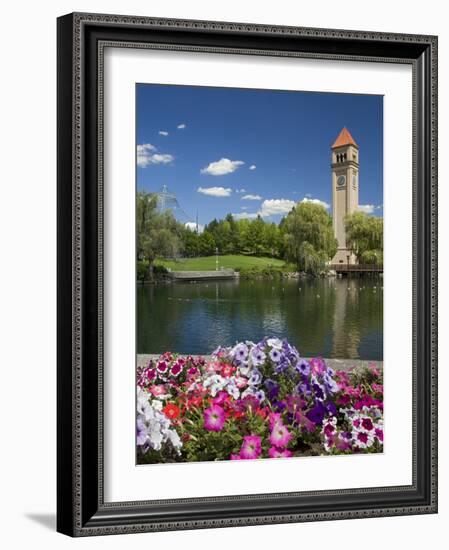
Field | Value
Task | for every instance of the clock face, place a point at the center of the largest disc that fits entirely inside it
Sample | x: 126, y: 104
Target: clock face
x: 341, y: 180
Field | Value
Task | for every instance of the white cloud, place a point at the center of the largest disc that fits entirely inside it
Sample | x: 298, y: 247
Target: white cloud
x: 243, y: 208
x: 309, y: 195
x: 272, y: 207
x: 146, y: 155
x: 222, y: 167
x: 159, y: 158
x: 316, y: 201
x: 366, y: 208
x: 193, y: 226
x: 215, y: 191
x: 163, y: 133
x: 252, y: 167
x: 181, y: 126
x: 245, y: 215
x: 242, y: 190
x: 251, y: 198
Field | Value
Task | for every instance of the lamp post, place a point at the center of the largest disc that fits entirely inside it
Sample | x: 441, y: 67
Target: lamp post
x: 216, y: 258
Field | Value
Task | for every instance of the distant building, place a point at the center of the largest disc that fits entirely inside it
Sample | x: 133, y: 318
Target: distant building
x: 345, y: 191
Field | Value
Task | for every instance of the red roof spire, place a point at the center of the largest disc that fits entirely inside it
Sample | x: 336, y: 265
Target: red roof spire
x: 344, y: 138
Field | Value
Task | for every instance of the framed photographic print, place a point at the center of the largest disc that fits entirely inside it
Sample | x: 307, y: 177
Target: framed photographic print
x: 246, y: 274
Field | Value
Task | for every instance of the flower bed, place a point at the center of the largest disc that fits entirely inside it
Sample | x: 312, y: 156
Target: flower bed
x: 255, y: 401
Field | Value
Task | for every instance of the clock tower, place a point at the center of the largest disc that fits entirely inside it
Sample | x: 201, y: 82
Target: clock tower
x: 345, y: 191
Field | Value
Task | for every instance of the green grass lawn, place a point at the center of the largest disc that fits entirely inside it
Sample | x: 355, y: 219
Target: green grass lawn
x: 207, y: 263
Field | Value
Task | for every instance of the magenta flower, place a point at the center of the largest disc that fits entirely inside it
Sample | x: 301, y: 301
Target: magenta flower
x: 214, y: 418
x: 235, y: 457
x: 280, y: 436
x: 162, y: 367
x: 192, y: 371
x: 176, y: 369
x: 367, y: 424
x: 274, y: 452
x: 275, y: 418
x: 251, y: 447
x: 379, y: 434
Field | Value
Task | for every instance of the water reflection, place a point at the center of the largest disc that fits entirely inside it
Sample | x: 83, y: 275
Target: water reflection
x: 339, y: 318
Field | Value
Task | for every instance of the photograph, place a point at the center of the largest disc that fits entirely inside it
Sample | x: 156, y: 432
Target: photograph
x: 259, y: 273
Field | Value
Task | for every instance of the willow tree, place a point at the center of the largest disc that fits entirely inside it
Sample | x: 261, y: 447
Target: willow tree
x: 159, y: 235
x: 364, y: 236
x: 308, y: 237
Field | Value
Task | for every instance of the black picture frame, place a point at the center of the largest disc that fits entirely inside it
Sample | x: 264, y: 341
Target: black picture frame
x: 81, y: 510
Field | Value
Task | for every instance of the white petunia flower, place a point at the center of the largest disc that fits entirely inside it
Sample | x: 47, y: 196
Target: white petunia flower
x: 274, y: 343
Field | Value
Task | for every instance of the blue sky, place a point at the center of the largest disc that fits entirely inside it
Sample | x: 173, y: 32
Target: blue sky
x: 246, y: 152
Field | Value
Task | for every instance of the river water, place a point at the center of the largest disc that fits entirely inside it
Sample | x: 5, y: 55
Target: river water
x: 338, y: 318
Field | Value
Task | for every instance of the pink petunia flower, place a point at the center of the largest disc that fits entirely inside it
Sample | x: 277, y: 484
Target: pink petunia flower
x: 274, y: 452
x: 227, y: 370
x: 214, y: 418
x: 317, y: 365
x: 280, y: 436
x: 251, y: 447
x: 241, y: 382
x: 274, y: 418
x: 220, y: 398
x: 157, y: 390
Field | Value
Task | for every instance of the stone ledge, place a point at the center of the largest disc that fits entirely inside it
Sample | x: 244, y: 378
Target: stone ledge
x: 336, y: 364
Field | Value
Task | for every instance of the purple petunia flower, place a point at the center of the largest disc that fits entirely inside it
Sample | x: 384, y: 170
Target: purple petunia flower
x: 272, y: 388
x: 141, y: 431
x: 255, y: 378
x: 319, y: 391
x: 275, y: 355
x: 260, y: 395
x: 317, y: 413
x: 279, y: 405
x: 282, y: 366
x: 303, y: 367
x: 332, y: 408
x: 240, y: 352
x: 257, y: 356
x: 303, y: 388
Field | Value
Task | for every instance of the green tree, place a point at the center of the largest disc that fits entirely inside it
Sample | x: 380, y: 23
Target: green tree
x: 271, y: 239
x: 364, y: 236
x: 308, y: 237
x: 159, y: 235
x: 255, y: 237
x: 191, y: 243
x: 206, y: 244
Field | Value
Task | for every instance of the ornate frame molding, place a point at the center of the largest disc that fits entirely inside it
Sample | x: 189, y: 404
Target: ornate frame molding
x: 81, y: 42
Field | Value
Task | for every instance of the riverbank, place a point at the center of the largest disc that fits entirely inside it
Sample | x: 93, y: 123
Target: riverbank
x: 336, y: 364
